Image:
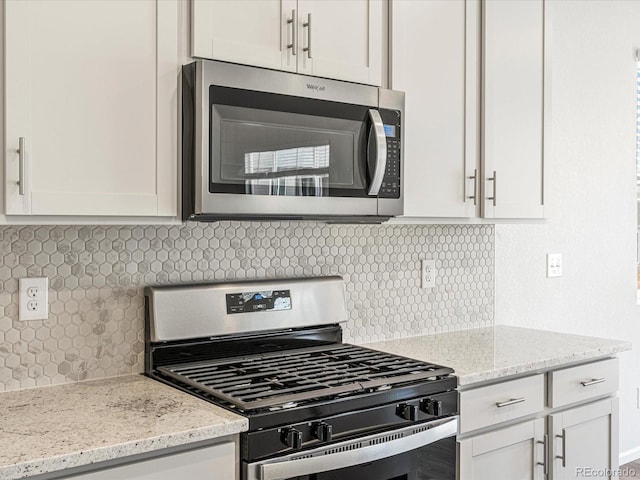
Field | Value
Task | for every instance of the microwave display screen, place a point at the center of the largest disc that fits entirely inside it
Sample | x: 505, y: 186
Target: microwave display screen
x: 390, y: 130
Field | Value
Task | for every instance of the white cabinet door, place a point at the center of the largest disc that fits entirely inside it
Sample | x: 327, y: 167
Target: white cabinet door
x: 91, y: 88
x: 434, y: 52
x: 585, y: 440
x: 516, y: 453
x: 210, y: 463
x: 251, y: 32
x: 513, y: 56
x: 341, y: 39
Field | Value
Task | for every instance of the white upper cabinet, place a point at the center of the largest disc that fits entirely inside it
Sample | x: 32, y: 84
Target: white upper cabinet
x: 430, y: 56
x: 473, y: 73
x: 513, y: 116
x: 252, y: 32
x: 91, y: 107
x: 323, y: 38
x: 341, y: 40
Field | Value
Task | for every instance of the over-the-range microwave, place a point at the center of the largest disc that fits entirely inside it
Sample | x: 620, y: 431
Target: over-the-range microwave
x: 260, y: 143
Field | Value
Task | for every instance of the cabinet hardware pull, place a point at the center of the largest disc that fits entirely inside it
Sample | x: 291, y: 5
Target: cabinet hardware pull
x: 292, y: 21
x: 377, y: 133
x: 545, y: 454
x: 307, y: 24
x: 494, y: 179
x: 593, y: 381
x: 21, y: 179
x: 564, y: 449
x: 513, y: 401
x: 474, y: 197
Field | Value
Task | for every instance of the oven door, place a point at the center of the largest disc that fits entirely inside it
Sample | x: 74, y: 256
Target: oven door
x: 419, y: 452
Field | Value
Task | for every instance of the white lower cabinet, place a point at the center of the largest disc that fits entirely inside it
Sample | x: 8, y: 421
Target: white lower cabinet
x: 217, y: 462
x: 574, y: 436
x: 516, y: 453
x: 585, y: 441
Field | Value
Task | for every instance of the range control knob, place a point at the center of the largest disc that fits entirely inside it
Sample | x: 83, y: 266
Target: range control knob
x: 408, y: 412
x: 432, y: 407
x: 292, y: 438
x: 323, y: 431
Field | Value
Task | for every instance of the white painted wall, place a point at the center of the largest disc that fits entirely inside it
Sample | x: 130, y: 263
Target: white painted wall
x: 590, y: 196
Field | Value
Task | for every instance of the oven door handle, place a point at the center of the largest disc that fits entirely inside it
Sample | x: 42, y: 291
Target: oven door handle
x: 377, y: 132
x: 323, y: 463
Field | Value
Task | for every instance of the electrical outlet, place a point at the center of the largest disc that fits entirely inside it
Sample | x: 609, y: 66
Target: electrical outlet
x: 34, y: 299
x: 428, y: 273
x: 554, y: 265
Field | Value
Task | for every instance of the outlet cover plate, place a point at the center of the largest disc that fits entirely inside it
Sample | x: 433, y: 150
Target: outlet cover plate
x: 427, y: 273
x: 34, y: 299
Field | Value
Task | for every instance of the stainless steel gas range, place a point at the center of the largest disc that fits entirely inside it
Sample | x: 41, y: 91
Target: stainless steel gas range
x: 318, y: 409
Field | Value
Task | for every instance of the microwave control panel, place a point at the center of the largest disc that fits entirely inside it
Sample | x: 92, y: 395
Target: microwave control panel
x: 390, y: 187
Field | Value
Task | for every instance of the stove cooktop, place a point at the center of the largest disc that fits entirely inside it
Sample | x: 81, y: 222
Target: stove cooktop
x: 291, y: 378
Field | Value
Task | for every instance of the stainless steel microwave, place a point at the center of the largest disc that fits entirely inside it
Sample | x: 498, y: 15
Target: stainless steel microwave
x: 260, y: 143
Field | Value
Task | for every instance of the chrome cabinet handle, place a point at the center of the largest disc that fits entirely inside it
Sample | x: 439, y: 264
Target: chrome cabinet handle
x: 21, y: 155
x: 377, y: 129
x: 594, y: 381
x: 545, y: 454
x: 563, y: 457
x: 307, y: 24
x: 513, y: 401
x: 474, y: 177
x: 292, y: 21
x: 494, y: 179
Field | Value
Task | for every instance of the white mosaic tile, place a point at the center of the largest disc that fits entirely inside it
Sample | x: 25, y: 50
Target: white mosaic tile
x: 96, y: 276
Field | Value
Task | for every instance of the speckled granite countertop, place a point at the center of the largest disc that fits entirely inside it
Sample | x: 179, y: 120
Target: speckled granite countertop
x: 483, y: 354
x: 53, y: 428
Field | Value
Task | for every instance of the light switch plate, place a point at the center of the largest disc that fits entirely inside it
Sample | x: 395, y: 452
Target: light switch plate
x: 554, y: 265
x: 34, y: 299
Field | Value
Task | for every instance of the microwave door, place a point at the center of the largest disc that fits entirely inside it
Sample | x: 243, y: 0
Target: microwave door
x: 274, y: 155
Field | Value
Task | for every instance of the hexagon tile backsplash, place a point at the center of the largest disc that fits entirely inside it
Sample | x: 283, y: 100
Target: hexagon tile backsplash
x: 96, y: 275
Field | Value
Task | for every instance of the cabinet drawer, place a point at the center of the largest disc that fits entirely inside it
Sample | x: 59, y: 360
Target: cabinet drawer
x: 494, y: 404
x: 583, y: 382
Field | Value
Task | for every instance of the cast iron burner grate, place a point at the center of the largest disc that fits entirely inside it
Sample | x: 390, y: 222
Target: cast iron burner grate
x: 282, y: 378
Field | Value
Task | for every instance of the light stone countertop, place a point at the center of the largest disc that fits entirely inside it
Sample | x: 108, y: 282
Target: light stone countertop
x: 52, y: 428
x: 484, y: 354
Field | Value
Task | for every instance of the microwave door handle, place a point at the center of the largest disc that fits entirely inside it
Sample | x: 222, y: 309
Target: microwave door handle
x: 323, y: 463
x: 377, y: 129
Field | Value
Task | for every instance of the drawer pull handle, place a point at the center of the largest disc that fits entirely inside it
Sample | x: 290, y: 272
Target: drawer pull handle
x: 513, y: 401
x: 595, y: 381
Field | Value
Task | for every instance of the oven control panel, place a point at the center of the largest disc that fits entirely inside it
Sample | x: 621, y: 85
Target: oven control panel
x: 329, y: 429
x: 263, y: 301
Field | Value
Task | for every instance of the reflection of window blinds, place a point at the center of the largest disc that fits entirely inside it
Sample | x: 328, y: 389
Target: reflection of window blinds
x: 288, y: 159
